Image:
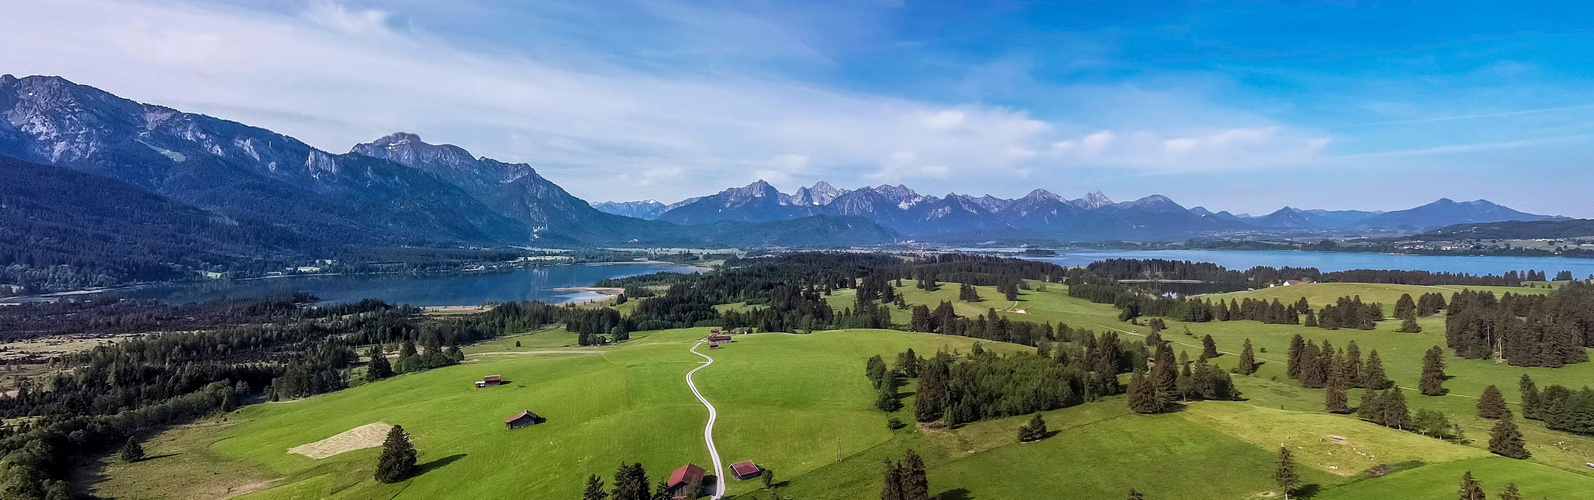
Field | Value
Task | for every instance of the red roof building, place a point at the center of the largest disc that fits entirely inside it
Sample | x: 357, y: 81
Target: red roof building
x: 745, y: 470
x: 683, y: 479
x: 719, y: 337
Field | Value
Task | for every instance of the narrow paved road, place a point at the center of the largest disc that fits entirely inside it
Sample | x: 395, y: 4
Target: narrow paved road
x: 708, y: 431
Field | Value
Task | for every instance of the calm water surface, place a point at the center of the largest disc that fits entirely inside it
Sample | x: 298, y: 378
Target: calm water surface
x: 1335, y: 261
x: 538, y: 283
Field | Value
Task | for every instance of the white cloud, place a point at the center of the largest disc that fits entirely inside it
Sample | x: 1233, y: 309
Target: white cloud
x: 334, y: 75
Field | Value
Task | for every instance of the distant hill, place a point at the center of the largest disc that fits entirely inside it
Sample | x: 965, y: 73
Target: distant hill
x: 1446, y: 212
x: 645, y: 210
x: 1567, y: 228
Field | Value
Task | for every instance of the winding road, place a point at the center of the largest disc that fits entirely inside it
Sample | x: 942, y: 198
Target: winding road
x: 708, y: 430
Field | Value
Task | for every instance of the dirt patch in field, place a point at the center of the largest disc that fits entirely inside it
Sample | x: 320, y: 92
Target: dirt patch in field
x: 365, y: 436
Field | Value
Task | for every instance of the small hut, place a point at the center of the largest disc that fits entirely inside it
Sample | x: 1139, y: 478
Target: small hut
x: 490, y: 381
x: 746, y: 470
x: 522, y: 419
x: 713, y: 345
x: 683, y: 482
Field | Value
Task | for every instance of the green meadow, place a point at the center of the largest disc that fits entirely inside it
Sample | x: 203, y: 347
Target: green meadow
x: 801, y: 406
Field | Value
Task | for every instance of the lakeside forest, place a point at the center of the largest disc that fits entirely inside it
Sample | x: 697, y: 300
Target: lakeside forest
x: 1060, y: 354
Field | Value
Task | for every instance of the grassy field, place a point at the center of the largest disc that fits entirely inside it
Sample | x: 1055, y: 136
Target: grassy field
x: 798, y: 403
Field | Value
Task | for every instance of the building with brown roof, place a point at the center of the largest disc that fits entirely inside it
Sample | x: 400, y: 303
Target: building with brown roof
x: 522, y: 419
x: 686, y: 482
x: 746, y: 470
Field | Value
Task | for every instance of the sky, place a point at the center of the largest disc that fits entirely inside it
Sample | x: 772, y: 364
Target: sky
x: 1240, y: 106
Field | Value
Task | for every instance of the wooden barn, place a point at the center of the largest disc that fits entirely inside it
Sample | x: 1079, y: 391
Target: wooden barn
x: 713, y: 345
x: 522, y: 419
x: 490, y: 381
x: 684, y: 480
x: 746, y: 470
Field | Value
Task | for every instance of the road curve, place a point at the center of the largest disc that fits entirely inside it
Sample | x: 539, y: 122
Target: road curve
x: 708, y: 430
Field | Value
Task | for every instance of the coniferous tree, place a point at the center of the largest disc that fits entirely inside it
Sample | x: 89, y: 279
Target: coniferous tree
x: 1293, y: 363
x: 1408, y: 324
x: 1433, y: 373
x: 1247, y: 363
x: 1353, y: 365
x: 1530, y: 397
x: 132, y: 451
x: 1143, y: 395
x: 1284, y: 475
x: 1505, y: 439
x: 398, y: 457
x: 1405, y: 307
x: 1311, y: 319
x: 1335, y: 399
x: 1165, y: 377
x: 892, y: 489
x: 1209, y: 348
x: 1035, y: 430
x: 1510, y: 492
x: 1135, y: 495
x: 1470, y: 489
x: 1393, y: 404
x: 1492, y: 404
x: 1370, y: 408
x: 379, y: 368
x: 915, y: 484
x: 1373, y: 377
x: 768, y: 475
x: 594, y: 489
x: 889, y: 399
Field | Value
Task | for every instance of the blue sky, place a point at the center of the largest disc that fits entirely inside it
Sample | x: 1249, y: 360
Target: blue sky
x: 1244, y: 106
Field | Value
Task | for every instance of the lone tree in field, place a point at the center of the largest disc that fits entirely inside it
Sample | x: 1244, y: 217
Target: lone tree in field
x: 1247, y: 363
x: 1035, y: 430
x: 594, y: 489
x: 1506, y: 439
x: 1408, y: 324
x: 1209, y: 348
x: 1433, y: 373
x: 1470, y: 489
x: 398, y: 457
x: 132, y: 451
x: 1492, y: 404
x: 1285, y: 474
x: 1510, y: 492
x: 1373, y: 376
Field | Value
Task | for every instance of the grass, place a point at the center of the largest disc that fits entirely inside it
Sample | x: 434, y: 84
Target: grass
x: 1319, y: 294
x: 795, y: 403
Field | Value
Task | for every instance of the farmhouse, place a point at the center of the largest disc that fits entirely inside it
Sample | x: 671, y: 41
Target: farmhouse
x: 716, y: 335
x: 684, y: 481
x: 746, y: 470
x: 490, y: 380
x: 522, y: 419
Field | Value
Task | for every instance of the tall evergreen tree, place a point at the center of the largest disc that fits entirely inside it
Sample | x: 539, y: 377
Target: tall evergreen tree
x: 1353, y: 365
x: 892, y: 489
x: 915, y: 484
x: 1209, y: 347
x: 1284, y: 475
x: 379, y: 368
x: 1373, y: 377
x: 398, y: 457
x: 931, y: 398
x: 1335, y: 399
x: 1433, y: 372
x: 1143, y: 395
x: 1293, y: 363
x: 1530, y: 397
x: 1035, y: 430
x: 1470, y: 489
x: 594, y: 489
x: 1370, y: 408
x: 132, y: 451
x: 1506, y: 440
x: 631, y: 482
x: 1247, y: 363
x: 1408, y: 324
x: 1510, y: 492
x: 1492, y: 404
x: 1393, y: 404
x: 1405, y: 306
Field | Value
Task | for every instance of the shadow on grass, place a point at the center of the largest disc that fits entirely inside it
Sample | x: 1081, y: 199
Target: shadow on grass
x: 1306, y: 491
x: 957, y: 494
x: 438, y: 464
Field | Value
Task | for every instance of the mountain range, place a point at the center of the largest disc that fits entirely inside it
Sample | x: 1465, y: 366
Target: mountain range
x: 284, y: 195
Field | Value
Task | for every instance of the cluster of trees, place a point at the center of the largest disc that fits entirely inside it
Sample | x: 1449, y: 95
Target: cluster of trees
x: 1169, y: 381
x: 1336, y: 369
x: 983, y: 384
x: 106, y: 316
x: 967, y: 293
x: 1524, y: 330
x: 905, y: 479
x: 1034, y: 430
x: 1347, y: 312
x: 631, y: 483
x: 1471, y: 489
x: 991, y: 326
x: 1559, y: 407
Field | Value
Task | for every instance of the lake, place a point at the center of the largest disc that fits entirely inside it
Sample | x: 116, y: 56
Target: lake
x: 538, y: 283
x: 1332, y: 261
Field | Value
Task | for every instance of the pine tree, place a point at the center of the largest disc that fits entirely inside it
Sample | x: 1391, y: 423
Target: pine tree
x: 1506, y: 439
x: 1311, y: 319
x: 379, y: 368
x: 1470, y: 489
x: 1492, y: 404
x: 1405, y: 307
x: 398, y: 457
x: 1530, y: 398
x: 915, y: 485
x: 1247, y: 363
x: 1393, y: 404
x: 1371, y: 408
x: 594, y: 489
x: 1409, y: 324
x: 1143, y: 395
x: 1373, y: 377
x: 1285, y: 474
x: 1165, y: 378
x: 892, y: 489
x: 1293, y: 363
x: 1433, y: 373
x: 1335, y: 400
x: 1035, y: 430
x: 768, y: 475
x: 631, y: 483
x: 1353, y: 365
x: 1510, y: 492
x: 1209, y: 348
x: 132, y: 451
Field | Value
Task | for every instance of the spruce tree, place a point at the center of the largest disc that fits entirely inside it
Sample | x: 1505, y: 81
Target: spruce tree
x: 1293, y: 363
x: 1335, y: 400
x: 1373, y: 377
x: 1035, y: 430
x: 1285, y: 474
x: 398, y: 457
x: 379, y: 368
x: 892, y: 489
x: 1247, y: 363
x: 1393, y: 404
x: 1470, y: 489
x: 1510, y: 492
x: 1409, y: 324
x: 1142, y: 395
x: 915, y: 485
x: 1209, y: 348
x: 1506, y: 440
x: 1433, y: 373
x: 1492, y: 404
x: 1311, y: 319
x: 1530, y: 397
x: 594, y: 489
x: 1165, y: 378
x: 132, y: 451
x: 1371, y: 408
x: 1353, y: 365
